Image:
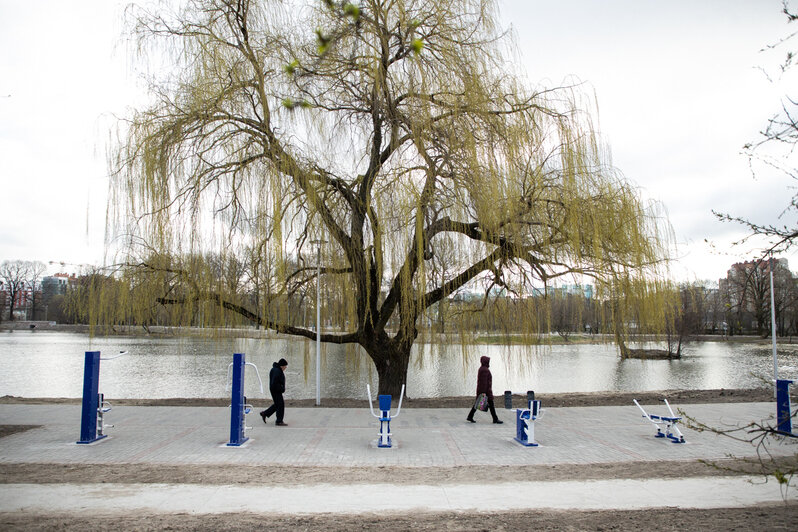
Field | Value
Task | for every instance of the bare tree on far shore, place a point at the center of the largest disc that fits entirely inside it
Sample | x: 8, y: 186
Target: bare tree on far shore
x: 17, y: 276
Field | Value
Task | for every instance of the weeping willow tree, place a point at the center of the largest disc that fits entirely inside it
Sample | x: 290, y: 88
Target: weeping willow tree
x: 393, y: 135
x: 643, y: 309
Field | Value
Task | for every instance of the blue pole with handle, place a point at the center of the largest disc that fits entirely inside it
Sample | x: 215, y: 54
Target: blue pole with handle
x: 237, y: 402
x: 783, y: 414
x: 91, y: 399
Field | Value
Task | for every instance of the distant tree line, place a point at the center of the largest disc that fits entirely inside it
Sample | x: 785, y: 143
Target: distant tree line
x: 738, y: 304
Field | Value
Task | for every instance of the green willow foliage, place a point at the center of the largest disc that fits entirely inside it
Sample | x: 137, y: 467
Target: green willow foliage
x: 396, y: 133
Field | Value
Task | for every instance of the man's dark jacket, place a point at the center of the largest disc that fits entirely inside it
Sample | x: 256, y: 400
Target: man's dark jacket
x: 276, y: 379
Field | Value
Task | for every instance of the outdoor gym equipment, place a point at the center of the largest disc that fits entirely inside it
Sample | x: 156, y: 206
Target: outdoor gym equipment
x: 384, y: 436
x: 525, y: 423
x: 93, y: 409
x: 238, y: 403
x: 672, y: 432
x: 783, y: 410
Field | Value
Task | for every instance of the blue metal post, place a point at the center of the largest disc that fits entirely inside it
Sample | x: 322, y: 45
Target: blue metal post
x: 521, y: 425
x: 525, y: 424
x: 91, y: 399
x: 385, y: 421
x: 783, y: 414
x: 237, y: 402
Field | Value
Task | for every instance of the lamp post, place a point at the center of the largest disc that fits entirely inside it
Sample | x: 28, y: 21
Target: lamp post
x: 773, y: 322
x: 318, y: 319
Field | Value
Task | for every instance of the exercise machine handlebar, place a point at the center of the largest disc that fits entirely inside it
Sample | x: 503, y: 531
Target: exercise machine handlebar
x: 401, y: 396
x: 121, y: 354
x: 260, y: 382
x: 371, y: 407
x: 230, y: 381
x: 368, y: 394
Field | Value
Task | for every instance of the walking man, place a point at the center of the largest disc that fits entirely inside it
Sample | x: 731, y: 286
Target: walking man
x: 276, y: 389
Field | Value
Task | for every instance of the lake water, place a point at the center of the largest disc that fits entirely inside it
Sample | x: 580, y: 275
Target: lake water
x: 50, y: 364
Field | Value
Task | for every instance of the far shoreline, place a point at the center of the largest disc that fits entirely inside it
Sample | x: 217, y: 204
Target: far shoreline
x: 548, y: 400
x: 483, y: 338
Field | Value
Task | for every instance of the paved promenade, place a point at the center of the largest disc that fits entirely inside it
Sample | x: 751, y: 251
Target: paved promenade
x: 344, y: 437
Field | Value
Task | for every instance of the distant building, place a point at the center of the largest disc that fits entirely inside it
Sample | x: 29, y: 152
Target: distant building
x: 466, y: 296
x: 25, y: 306
x: 585, y: 290
x: 497, y: 292
x: 745, y: 292
x: 22, y: 300
x: 58, y: 284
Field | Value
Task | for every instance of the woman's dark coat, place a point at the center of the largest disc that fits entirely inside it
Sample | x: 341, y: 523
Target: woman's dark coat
x: 484, y: 378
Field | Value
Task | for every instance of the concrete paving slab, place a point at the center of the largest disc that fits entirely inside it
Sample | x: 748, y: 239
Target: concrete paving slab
x: 344, y: 437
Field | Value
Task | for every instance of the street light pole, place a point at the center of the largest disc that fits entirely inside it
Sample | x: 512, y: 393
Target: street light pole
x: 318, y: 320
x: 773, y: 323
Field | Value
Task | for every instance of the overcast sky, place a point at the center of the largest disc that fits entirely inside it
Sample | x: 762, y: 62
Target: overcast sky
x: 677, y: 83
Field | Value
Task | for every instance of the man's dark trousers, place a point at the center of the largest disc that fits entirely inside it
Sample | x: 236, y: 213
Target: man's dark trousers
x: 278, y: 406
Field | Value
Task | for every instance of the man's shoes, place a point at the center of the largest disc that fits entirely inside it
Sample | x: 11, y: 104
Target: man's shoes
x: 281, y: 424
x: 471, y: 420
x: 263, y: 415
x: 498, y: 421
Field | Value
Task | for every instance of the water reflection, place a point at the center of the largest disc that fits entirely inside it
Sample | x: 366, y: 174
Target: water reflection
x: 50, y: 364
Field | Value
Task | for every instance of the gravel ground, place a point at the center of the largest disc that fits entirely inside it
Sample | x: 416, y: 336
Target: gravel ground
x: 775, y: 517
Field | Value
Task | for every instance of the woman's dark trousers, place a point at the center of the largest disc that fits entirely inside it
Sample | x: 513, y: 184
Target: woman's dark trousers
x: 491, y: 408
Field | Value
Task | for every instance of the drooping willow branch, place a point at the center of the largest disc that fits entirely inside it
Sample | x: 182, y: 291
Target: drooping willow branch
x: 255, y: 318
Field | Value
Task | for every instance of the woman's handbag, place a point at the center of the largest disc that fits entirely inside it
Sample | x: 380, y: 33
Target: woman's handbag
x: 481, y: 403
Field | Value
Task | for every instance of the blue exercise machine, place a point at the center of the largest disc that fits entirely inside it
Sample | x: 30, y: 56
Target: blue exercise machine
x: 238, y: 402
x: 384, y: 435
x: 93, y: 406
x: 672, y: 432
x: 783, y: 410
x: 525, y: 423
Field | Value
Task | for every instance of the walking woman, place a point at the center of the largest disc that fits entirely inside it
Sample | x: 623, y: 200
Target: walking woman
x: 276, y: 389
x: 484, y: 385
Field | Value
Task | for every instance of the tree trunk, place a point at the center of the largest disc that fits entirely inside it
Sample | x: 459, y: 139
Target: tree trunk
x: 11, y: 307
x: 678, y: 353
x: 391, y: 361
x: 621, y: 344
x: 616, y: 319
